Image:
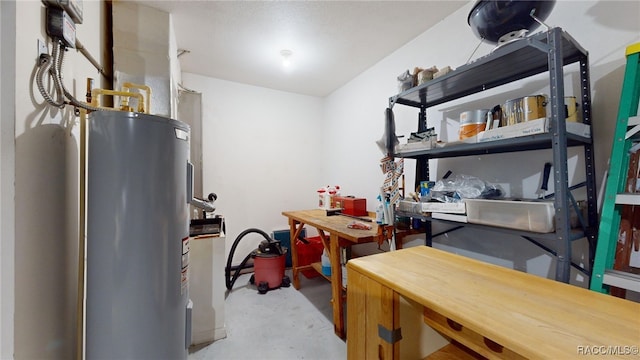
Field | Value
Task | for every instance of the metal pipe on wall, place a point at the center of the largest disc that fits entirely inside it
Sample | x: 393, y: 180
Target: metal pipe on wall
x: 83, y: 50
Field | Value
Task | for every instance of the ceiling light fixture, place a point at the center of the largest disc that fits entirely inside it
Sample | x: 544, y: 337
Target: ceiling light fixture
x: 286, y: 57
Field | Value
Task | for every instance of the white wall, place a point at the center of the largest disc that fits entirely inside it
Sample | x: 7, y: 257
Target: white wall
x: 46, y: 172
x: 355, y: 115
x: 261, y: 154
x: 7, y: 175
x: 175, y: 70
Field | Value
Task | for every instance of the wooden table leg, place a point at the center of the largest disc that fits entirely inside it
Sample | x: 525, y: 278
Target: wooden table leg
x: 323, y: 238
x: 336, y: 285
x: 373, y: 321
x: 295, y: 228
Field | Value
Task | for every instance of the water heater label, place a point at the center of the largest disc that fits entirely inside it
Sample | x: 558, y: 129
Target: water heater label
x: 185, y: 266
x: 181, y: 134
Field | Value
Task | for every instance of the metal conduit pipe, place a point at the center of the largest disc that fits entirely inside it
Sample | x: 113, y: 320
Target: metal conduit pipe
x: 57, y: 77
x: 56, y: 68
x: 43, y: 68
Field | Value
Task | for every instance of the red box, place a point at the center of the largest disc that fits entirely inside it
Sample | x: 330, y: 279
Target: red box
x: 353, y: 206
x: 309, y: 253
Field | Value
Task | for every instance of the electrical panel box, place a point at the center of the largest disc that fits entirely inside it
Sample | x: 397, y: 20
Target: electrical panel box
x: 60, y: 26
x: 72, y: 7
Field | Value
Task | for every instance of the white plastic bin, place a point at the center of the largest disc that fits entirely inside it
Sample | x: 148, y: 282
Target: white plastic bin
x: 536, y: 216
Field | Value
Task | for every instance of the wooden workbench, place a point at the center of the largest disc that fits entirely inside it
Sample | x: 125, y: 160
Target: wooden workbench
x: 339, y: 237
x: 494, y: 311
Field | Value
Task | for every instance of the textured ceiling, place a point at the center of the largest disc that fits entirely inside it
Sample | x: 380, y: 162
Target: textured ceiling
x: 332, y: 41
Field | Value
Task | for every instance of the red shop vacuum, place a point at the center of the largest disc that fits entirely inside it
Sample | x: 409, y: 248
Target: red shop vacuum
x: 268, y: 264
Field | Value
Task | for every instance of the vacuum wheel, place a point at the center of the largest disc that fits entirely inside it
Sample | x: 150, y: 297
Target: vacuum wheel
x: 286, y: 282
x: 263, y: 287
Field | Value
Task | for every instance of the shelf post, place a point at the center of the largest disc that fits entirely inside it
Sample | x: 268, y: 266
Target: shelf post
x: 559, y: 146
x: 422, y: 163
x: 589, y: 162
x: 422, y: 171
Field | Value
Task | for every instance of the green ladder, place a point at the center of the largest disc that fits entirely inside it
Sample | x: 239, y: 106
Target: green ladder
x: 603, y: 276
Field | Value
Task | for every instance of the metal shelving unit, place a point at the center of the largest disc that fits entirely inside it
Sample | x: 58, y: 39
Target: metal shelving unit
x: 549, y: 51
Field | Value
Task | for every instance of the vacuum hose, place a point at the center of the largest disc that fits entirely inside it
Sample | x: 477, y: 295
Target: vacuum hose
x: 230, y: 280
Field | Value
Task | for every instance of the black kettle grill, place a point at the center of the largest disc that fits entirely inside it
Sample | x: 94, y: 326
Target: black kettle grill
x: 501, y: 21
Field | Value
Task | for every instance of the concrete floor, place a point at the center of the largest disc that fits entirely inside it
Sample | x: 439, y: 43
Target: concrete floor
x: 282, y: 324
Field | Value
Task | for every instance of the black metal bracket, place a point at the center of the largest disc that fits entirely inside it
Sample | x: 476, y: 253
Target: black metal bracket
x: 390, y: 336
x: 578, y: 267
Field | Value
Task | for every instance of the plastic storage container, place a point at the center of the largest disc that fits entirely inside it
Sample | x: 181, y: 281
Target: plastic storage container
x: 284, y: 237
x: 536, y: 216
x: 308, y: 254
x: 326, y: 263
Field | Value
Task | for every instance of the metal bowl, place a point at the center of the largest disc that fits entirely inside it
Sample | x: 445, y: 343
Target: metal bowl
x: 493, y: 20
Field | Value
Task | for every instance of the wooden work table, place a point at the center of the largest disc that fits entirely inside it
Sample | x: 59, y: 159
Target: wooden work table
x: 494, y: 311
x: 339, y: 237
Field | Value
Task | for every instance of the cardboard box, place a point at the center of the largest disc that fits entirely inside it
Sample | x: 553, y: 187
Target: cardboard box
x: 454, y: 208
x: 352, y: 206
x: 409, y: 206
x: 532, y: 127
x: 425, y: 144
x: 431, y: 207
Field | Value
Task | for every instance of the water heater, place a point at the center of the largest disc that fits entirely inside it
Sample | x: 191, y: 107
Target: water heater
x: 137, y: 237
